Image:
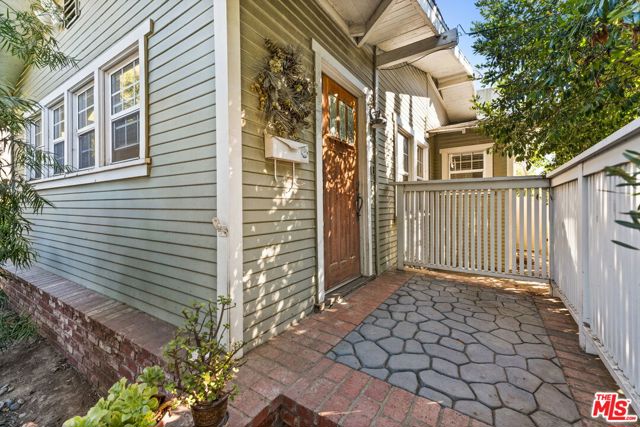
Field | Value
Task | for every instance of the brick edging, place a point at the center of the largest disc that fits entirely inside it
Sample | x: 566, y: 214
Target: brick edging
x: 84, y: 325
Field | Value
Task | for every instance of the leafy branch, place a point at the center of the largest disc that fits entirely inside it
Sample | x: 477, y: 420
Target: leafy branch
x: 200, y: 362
x: 629, y: 179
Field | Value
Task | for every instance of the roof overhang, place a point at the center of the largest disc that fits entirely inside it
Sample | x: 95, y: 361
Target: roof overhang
x: 462, y: 127
x: 411, y: 32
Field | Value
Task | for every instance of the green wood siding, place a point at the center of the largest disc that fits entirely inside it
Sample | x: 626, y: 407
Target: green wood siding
x: 459, y: 139
x: 145, y: 241
x: 280, y: 257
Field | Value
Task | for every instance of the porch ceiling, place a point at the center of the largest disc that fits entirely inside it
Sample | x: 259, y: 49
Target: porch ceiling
x: 393, y: 24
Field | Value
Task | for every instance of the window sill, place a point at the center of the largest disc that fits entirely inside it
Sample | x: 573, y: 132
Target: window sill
x: 118, y: 171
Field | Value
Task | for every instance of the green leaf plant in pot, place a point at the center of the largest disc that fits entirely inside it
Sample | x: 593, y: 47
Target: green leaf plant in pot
x: 137, y: 404
x: 202, y: 364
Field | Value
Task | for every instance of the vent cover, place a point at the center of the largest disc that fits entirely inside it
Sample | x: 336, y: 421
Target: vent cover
x: 71, y: 12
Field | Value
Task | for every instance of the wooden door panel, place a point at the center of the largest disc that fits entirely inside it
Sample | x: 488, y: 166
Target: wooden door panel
x: 340, y: 173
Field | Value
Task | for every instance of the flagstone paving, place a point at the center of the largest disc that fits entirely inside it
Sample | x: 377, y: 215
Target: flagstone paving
x: 290, y: 381
x: 480, y: 351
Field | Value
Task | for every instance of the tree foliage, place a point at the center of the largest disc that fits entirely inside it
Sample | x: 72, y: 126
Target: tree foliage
x: 566, y: 73
x: 630, y: 178
x: 25, y: 35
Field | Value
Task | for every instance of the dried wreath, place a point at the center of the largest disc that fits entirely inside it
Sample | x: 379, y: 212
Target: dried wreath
x: 286, y: 95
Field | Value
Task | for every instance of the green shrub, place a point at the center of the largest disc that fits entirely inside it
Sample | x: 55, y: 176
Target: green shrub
x: 130, y: 405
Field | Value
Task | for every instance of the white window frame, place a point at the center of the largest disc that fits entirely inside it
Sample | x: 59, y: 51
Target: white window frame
x: 52, y: 140
x: 400, y: 172
x: 78, y: 131
x: 96, y: 73
x: 487, y: 170
x: 425, y: 161
x: 31, y: 138
x: 112, y: 117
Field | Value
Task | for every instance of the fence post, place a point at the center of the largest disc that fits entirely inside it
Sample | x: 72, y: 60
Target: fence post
x: 400, y: 224
x: 583, y: 261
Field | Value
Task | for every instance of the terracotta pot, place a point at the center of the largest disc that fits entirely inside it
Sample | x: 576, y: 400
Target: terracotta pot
x: 212, y: 414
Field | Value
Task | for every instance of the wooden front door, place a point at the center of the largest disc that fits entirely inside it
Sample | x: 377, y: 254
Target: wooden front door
x: 340, y: 170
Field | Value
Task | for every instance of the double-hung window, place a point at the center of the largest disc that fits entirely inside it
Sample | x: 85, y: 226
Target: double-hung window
x: 466, y: 165
x: 471, y: 161
x: 94, y: 123
x: 124, y: 111
x: 57, y: 137
x: 86, y: 132
x: 36, y: 140
x: 404, y: 156
x: 421, y: 162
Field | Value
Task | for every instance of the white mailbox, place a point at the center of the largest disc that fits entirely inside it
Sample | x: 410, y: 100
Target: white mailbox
x: 284, y: 149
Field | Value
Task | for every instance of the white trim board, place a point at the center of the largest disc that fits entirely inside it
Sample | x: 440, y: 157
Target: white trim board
x: 229, y: 252
x: 325, y: 63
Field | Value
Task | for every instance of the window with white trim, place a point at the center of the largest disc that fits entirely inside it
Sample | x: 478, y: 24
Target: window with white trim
x: 96, y: 120
x: 58, y: 147
x: 404, y: 144
x: 466, y: 165
x: 85, y: 141
x: 421, y: 162
x: 36, y: 140
x: 471, y: 161
x: 124, y: 111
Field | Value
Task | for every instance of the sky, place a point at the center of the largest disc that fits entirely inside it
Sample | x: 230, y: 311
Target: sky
x: 462, y: 12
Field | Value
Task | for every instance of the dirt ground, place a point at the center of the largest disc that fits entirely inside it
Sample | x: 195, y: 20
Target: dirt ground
x: 39, y: 376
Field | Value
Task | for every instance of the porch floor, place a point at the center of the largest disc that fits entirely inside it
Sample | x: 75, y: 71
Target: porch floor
x: 431, y: 349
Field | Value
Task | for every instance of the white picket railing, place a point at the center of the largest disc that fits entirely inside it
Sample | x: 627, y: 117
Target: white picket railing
x: 496, y: 226
x: 598, y: 280
x: 558, y: 228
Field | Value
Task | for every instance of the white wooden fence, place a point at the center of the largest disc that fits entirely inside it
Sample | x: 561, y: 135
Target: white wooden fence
x: 598, y: 280
x: 497, y: 226
x: 558, y: 228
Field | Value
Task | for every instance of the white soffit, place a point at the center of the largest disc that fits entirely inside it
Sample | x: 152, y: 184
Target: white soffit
x: 391, y: 24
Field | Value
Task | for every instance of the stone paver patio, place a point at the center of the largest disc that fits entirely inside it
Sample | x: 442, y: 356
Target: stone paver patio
x: 291, y: 381
x: 483, y: 352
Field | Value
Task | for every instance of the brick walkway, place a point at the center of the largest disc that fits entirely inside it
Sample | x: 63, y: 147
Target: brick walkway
x: 290, y: 380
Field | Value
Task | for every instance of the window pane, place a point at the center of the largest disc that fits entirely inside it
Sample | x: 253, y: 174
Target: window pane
x: 420, y: 162
x: 333, y: 114
x: 343, y: 121
x: 405, y: 153
x: 86, y: 150
x: 37, y: 142
x: 58, y: 155
x: 351, y: 137
x: 85, y: 108
x: 125, y: 87
x: 126, y: 137
x: 58, y: 122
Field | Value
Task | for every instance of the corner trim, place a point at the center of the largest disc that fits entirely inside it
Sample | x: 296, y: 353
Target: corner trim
x: 229, y: 254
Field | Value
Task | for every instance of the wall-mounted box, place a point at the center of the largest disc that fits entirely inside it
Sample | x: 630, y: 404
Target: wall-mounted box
x: 284, y: 149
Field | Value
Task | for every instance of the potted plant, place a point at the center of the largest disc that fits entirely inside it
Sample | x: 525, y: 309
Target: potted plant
x: 201, y: 364
x: 137, y: 404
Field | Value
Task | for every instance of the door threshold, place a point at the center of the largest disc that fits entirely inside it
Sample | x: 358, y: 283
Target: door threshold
x: 337, y: 294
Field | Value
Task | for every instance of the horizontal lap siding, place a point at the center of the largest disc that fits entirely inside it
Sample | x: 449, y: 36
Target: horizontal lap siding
x: 279, y: 220
x: 145, y: 241
x: 405, y: 94
x: 280, y: 256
